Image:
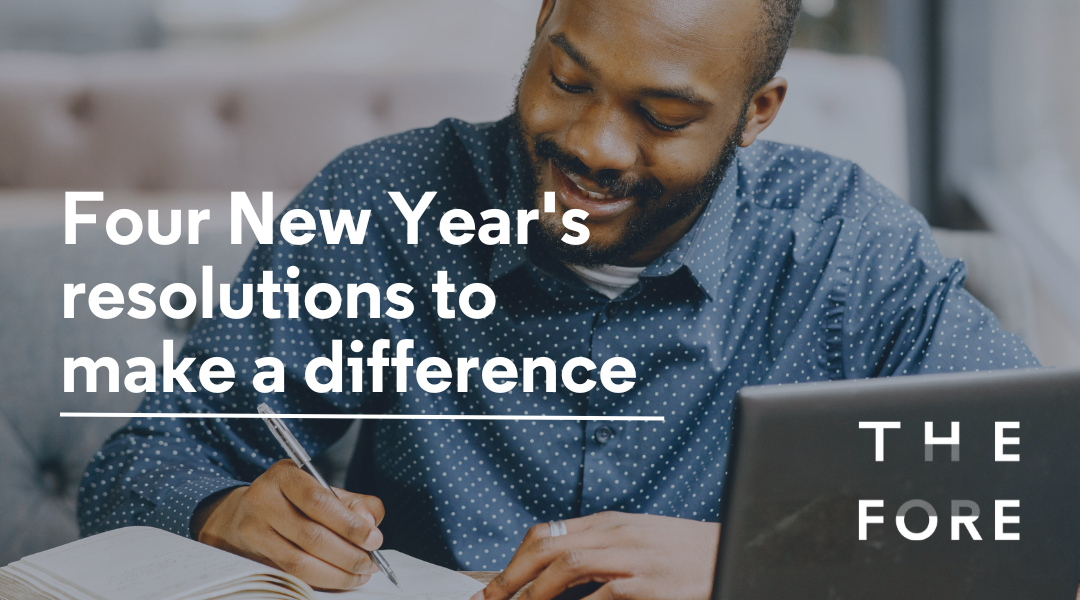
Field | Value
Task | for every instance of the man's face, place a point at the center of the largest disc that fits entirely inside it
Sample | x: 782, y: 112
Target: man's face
x: 631, y: 110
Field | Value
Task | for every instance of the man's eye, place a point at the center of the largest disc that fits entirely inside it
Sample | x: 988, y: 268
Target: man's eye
x: 662, y: 126
x: 570, y: 89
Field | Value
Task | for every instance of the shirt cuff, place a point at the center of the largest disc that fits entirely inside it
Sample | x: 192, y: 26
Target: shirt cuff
x: 175, y: 512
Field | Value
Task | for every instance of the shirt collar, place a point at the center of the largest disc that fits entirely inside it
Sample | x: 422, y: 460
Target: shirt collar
x: 701, y: 250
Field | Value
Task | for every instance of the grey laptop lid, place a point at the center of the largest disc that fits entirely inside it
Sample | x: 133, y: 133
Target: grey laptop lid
x: 803, y: 468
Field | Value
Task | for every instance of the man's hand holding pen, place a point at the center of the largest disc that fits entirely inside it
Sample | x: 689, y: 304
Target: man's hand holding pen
x: 287, y: 520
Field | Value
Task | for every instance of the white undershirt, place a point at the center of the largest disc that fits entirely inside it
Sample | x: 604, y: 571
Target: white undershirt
x: 609, y: 280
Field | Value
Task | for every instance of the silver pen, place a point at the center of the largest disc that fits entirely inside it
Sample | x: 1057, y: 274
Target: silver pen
x: 300, y: 457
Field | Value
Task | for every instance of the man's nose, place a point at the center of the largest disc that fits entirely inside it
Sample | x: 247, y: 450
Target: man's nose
x: 601, y: 138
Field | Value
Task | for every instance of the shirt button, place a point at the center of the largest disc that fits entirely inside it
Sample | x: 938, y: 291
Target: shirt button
x: 603, y: 435
x: 613, y: 309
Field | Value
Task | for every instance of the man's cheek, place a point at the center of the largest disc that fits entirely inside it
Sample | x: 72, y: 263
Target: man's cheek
x: 540, y: 112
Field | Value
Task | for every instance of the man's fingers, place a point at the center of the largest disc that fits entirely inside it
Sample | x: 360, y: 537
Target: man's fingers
x: 575, y: 567
x: 365, y: 506
x: 322, y: 543
x: 289, y: 558
x: 321, y: 505
x: 535, y: 553
x: 621, y: 589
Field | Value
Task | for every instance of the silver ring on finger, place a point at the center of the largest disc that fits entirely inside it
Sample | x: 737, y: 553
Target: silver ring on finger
x: 557, y: 528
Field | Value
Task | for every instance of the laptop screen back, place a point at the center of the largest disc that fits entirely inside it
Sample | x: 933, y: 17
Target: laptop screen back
x: 810, y: 512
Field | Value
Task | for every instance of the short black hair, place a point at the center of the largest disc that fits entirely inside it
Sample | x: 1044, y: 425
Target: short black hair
x: 771, y: 40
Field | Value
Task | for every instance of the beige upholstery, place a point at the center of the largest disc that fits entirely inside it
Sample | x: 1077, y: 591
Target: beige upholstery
x: 148, y: 121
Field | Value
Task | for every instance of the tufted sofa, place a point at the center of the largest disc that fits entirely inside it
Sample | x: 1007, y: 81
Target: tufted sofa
x: 149, y: 121
x: 161, y: 131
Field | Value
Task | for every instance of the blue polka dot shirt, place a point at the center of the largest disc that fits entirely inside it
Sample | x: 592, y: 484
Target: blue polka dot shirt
x: 801, y: 268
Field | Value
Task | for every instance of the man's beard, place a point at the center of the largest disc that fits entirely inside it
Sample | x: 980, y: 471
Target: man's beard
x: 654, y: 217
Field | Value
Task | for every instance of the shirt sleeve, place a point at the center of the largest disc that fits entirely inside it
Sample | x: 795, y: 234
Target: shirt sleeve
x: 156, y: 471
x: 907, y: 311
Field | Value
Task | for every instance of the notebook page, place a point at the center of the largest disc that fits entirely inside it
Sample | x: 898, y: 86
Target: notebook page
x: 12, y: 585
x: 419, y: 581
x: 143, y: 563
x: 264, y: 587
x: 45, y: 582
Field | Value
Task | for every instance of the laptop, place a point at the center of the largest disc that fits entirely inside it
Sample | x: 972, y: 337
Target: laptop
x: 833, y: 492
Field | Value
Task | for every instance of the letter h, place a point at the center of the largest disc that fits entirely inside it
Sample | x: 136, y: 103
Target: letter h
x: 953, y: 440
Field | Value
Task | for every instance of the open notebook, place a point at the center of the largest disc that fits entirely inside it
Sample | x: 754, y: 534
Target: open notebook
x: 142, y: 563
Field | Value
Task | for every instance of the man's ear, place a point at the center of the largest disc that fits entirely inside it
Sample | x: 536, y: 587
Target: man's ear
x: 545, y: 13
x: 763, y: 108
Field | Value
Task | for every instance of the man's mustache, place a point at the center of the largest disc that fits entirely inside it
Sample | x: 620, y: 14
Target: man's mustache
x: 612, y: 180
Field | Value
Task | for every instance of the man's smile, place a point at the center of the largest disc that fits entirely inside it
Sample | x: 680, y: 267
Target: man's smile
x: 574, y: 191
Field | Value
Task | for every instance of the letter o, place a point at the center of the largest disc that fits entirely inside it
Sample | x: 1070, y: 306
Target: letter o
x: 902, y: 526
x: 116, y: 236
x: 165, y: 300
x: 489, y: 301
x: 322, y: 288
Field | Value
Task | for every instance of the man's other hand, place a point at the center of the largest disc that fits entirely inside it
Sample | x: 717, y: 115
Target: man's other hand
x: 639, y: 557
x: 287, y: 520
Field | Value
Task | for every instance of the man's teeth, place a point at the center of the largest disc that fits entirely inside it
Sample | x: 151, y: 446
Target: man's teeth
x: 593, y: 195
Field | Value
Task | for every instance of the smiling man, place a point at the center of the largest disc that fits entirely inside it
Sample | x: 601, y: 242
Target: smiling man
x: 713, y: 261
x: 633, y: 111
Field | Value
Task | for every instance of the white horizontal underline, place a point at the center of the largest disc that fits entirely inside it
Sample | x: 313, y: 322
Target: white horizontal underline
x: 133, y: 415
